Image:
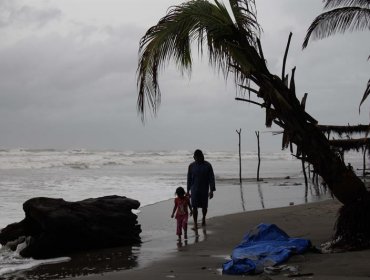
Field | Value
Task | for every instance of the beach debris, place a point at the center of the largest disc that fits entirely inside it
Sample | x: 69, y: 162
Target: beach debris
x: 264, y: 277
x: 265, y: 245
x: 298, y: 274
x: 331, y: 247
x: 55, y: 227
x: 279, y: 268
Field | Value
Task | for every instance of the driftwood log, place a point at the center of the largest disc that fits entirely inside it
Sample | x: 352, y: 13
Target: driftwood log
x: 55, y: 227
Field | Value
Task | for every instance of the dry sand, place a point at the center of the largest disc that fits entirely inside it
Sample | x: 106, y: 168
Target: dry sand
x: 203, y: 260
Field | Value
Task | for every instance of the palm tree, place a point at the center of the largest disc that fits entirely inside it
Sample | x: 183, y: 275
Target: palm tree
x: 233, y: 46
x: 342, y: 16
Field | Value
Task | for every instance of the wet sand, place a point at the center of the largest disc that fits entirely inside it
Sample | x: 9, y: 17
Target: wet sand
x: 203, y: 260
x: 231, y: 216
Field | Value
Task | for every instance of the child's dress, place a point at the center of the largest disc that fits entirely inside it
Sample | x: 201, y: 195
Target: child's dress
x: 181, y: 213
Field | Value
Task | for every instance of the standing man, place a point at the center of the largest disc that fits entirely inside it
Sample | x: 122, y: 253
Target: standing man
x: 200, y: 185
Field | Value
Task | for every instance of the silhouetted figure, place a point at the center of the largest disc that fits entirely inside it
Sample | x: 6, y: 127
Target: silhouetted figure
x: 200, y: 185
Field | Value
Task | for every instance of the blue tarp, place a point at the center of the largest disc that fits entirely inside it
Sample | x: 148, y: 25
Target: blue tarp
x: 265, y: 245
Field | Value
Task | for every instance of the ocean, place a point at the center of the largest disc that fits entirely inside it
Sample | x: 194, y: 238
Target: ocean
x: 149, y: 177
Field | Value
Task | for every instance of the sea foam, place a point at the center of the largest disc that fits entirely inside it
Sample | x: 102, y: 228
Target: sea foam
x: 12, y: 262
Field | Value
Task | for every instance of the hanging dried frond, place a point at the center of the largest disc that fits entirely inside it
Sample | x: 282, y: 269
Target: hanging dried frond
x: 303, y: 101
x: 366, y: 94
x: 292, y: 82
x: 345, y: 129
x: 286, y: 55
x: 286, y: 80
x: 270, y: 117
x: 299, y: 152
x: 350, y: 144
x: 286, y: 140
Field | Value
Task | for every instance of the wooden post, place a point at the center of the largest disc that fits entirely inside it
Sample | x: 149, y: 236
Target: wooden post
x: 240, y: 156
x: 364, y: 163
x: 259, y: 155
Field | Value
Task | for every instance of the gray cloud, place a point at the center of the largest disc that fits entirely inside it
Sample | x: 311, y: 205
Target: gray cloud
x: 15, y: 13
x: 72, y: 84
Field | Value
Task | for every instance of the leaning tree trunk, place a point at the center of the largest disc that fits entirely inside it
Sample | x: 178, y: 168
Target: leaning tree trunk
x: 283, y: 108
x: 301, y: 129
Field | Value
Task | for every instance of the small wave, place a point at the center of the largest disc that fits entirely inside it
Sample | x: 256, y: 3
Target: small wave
x: 78, y: 165
x: 40, y: 150
x: 88, y: 159
x: 11, y: 261
x: 80, y: 152
x: 110, y: 163
x: 28, y: 264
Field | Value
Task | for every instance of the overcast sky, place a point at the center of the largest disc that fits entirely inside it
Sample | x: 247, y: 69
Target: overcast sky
x: 68, y: 78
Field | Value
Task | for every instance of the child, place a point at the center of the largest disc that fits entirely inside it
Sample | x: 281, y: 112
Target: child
x: 182, y: 203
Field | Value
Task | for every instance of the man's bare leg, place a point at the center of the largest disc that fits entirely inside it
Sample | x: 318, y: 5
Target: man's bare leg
x: 204, y: 212
x: 195, y: 217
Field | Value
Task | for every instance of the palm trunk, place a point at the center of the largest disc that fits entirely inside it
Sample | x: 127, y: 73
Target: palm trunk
x: 312, y: 145
x: 343, y: 182
x: 352, y: 226
x: 284, y: 109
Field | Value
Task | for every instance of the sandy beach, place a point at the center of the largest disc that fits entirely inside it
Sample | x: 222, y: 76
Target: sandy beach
x: 203, y: 260
x: 160, y: 256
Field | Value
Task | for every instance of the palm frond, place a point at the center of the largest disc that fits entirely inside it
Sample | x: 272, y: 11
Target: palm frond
x: 231, y: 46
x: 245, y: 18
x: 338, y: 20
x: 330, y: 4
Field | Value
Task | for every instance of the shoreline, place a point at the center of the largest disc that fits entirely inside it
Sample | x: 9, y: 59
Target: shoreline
x: 160, y: 237
x: 159, y: 240
x: 203, y: 260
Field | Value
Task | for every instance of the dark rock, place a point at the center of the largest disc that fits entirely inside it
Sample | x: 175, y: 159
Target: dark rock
x: 55, y: 227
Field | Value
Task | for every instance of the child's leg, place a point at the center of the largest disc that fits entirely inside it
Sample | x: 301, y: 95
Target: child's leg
x: 185, y: 226
x: 179, y: 227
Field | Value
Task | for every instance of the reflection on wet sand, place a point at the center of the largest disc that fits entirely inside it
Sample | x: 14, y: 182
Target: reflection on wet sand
x: 200, y: 234
x: 242, y: 196
x: 159, y: 230
x: 260, y: 193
